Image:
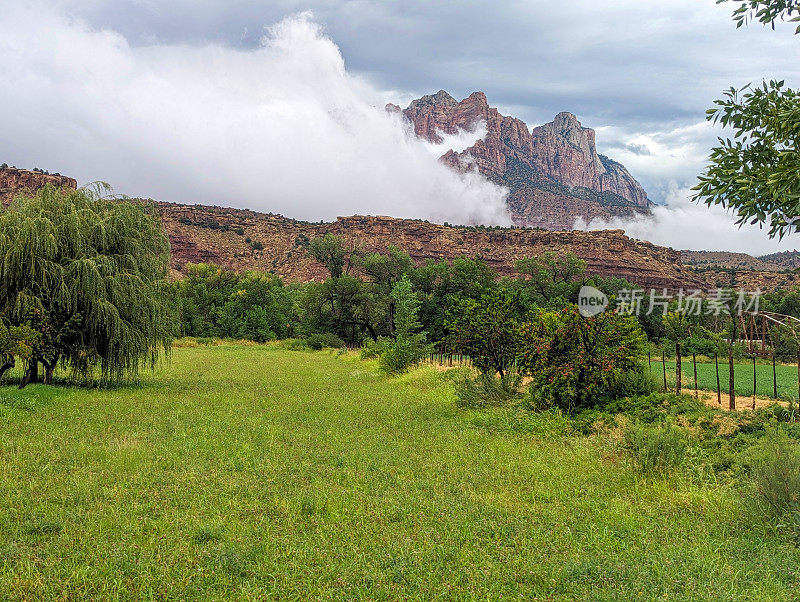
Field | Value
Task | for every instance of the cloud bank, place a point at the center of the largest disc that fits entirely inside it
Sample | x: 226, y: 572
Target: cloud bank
x: 682, y: 224
x: 282, y: 127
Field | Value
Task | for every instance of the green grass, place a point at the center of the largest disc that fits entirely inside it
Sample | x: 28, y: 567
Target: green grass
x: 255, y: 472
x: 743, y: 375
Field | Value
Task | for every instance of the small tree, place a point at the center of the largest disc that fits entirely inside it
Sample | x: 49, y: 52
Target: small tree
x: 88, y: 274
x: 552, y: 276
x: 579, y: 362
x: 16, y: 342
x: 409, y: 345
x: 329, y: 251
x: 488, y: 330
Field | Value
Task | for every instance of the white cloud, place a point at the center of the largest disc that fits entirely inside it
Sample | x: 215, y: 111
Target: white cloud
x: 683, y: 224
x: 283, y: 127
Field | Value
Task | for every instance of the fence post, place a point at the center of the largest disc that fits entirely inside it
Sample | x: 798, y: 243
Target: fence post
x: 754, y: 383
x: 774, y: 377
x: 694, y: 363
x: 731, y: 385
x: 716, y: 366
x: 664, y: 368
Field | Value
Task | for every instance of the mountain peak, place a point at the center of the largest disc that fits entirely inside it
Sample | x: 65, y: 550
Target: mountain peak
x: 553, y: 171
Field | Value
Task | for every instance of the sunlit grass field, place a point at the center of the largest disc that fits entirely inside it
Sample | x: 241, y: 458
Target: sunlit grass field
x: 253, y: 472
x: 743, y: 374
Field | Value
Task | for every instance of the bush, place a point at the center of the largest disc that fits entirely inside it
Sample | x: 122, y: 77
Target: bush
x: 774, y: 469
x: 636, y: 382
x: 655, y: 449
x: 577, y: 362
x: 324, y: 339
x: 294, y: 345
x: 487, y: 390
x: 373, y: 349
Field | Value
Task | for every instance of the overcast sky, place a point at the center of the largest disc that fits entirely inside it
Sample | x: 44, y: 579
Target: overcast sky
x: 267, y: 105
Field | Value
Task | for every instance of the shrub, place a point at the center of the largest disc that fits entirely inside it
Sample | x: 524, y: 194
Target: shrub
x: 578, y: 362
x: 324, y: 339
x: 257, y: 245
x: 294, y: 344
x: 486, y: 390
x: 408, y: 346
x: 373, y: 349
x: 655, y: 449
x: 774, y: 469
x: 636, y: 382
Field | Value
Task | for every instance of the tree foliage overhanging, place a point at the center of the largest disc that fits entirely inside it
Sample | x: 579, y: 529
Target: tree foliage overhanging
x: 756, y: 172
x: 83, y: 284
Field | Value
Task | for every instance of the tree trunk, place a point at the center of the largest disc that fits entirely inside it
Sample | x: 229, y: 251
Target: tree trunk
x: 677, y: 368
x: 29, y: 374
x: 7, y: 366
x: 49, y: 368
x: 34, y: 371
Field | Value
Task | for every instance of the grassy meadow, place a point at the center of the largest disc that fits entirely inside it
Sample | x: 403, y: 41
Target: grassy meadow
x: 743, y: 377
x: 253, y: 472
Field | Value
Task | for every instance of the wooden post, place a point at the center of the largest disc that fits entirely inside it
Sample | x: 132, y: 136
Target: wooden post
x: 694, y: 363
x: 754, y: 383
x: 774, y: 377
x: 719, y: 391
x: 677, y: 368
x: 664, y: 367
x: 731, y: 392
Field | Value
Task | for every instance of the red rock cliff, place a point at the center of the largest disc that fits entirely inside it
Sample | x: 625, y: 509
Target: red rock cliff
x: 15, y: 181
x: 553, y: 172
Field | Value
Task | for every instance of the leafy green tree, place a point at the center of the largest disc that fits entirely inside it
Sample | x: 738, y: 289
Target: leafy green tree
x: 440, y: 286
x: 578, y: 362
x: 552, y: 279
x: 219, y: 302
x: 756, y: 173
x: 16, y: 342
x: 409, y: 344
x: 344, y: 306
x: 384, y: 271
x: 488, y: 330
x: 330, y: 251
x: 89, y: 275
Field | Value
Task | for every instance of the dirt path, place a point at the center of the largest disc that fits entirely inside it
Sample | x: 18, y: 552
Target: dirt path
x: 743, y: 402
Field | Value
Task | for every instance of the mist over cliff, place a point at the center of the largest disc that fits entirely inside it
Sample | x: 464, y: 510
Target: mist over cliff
x: 284, y: 127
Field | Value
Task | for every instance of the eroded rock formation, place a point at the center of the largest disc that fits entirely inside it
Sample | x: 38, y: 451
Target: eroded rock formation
x: 553, y: 172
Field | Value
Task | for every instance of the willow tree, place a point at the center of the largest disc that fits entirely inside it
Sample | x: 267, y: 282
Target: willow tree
x: 88, y: 274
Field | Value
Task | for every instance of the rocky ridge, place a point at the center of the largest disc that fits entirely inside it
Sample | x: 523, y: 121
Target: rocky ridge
x: 14, y: 181
x: 553, y: 172
x: 247, y: 240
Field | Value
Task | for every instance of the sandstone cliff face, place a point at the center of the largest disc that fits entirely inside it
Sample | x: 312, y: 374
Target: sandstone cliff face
x: 220, y: 235
x: 231, y: 237
x: 15, y: 181
x: 553, y: 172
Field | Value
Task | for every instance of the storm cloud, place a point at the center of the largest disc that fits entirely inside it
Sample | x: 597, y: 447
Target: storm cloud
x: 640, y: 73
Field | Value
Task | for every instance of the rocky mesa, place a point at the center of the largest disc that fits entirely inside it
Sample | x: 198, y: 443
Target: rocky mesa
x: 247, y: 240
x: 14, y: 181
